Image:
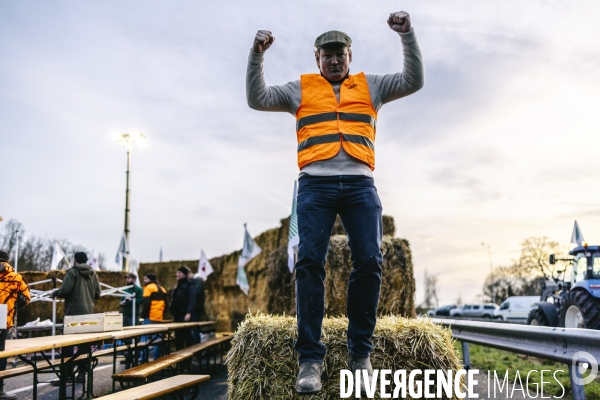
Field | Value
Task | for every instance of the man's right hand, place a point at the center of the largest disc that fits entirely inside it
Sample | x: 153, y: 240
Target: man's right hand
x: 262, y: 41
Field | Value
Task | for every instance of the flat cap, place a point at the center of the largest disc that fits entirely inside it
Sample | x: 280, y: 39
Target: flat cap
x: 333, y: 37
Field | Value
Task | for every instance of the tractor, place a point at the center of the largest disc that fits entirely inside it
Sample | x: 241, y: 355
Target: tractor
x: 574, y: 304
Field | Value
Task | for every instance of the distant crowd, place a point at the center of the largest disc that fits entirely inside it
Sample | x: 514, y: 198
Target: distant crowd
x: 81, y: 288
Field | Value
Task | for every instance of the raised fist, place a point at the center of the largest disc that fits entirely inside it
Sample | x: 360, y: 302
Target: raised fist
x: 399, y: 21
x: 262, y: 41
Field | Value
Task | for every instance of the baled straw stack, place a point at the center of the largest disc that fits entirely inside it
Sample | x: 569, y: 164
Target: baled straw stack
x: 262, y: 362
x: 397, y: 280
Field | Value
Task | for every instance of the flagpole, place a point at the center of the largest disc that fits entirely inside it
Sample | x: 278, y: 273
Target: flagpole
x: 125, y: 263
x: 17, y: 253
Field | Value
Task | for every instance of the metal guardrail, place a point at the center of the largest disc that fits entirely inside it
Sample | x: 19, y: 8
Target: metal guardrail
x: 556, y: 344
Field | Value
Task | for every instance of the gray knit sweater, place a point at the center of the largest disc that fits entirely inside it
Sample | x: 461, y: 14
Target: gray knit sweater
x: 382, y: 88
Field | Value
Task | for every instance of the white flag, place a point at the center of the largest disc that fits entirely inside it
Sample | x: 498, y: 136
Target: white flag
x: 123, y: 251
x: 204, y: 267
x: 58, y: 254
x: 577, y: 236
x: 94, y: 261
x: 134, y: 267
x: 249, y: 251
x: 293, y: 237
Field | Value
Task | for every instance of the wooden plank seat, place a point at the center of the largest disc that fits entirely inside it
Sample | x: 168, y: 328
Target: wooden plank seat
x: 9, y: 373
x: 142, y: 372
x: 26, y: 369
x: 158, y: 388
x: 105, y: 352
x: 196, y: 348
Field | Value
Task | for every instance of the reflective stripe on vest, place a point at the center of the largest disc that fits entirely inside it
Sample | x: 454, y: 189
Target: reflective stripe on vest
x: 323, y: 124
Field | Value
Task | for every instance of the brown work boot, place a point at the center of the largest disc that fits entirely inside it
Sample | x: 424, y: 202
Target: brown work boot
x: 309, y: 378
x: 357, y: 363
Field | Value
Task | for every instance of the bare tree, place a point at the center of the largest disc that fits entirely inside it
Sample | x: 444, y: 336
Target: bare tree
x: 35, y: 253
x: 431, y: 298
x: 459, y: 300
x: 534, y: 259
x: 8, y: 238
x: 523, y: 277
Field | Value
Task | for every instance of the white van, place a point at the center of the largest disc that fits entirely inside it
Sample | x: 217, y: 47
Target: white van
x: 516, y: 308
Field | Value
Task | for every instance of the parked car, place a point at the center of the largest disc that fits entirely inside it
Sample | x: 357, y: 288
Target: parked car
x: 442, y: 311
x: 475, y: 310
x: 516, y: 308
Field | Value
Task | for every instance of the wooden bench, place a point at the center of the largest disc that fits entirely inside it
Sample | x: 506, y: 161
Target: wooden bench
x: 198, y: 347
x: 10, y: 373
x: 158, y: 388
x: 141, y: 373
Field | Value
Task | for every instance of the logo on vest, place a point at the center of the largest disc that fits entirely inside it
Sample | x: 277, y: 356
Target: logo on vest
x: 352, y: 86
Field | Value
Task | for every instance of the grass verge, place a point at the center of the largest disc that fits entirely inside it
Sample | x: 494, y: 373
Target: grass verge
x: 489, y: 359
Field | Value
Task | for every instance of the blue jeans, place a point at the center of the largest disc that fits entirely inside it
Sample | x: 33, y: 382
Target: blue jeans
x: 320, y: 199
x: 156, y: 351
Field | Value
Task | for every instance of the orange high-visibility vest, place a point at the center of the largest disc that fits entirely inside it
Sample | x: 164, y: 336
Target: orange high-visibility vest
x: 323, y: 124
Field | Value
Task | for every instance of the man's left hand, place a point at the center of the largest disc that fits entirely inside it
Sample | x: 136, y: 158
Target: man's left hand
x: 187, y: 317
x: 399, y: 22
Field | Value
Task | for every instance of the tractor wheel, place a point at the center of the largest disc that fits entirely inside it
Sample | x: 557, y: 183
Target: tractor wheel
x: 580, y: 310
x: 537, y: 318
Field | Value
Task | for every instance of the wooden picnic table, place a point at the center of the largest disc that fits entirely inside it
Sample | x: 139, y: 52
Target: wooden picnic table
x: 22, y: 347
x: 173, y: 325
x: 135, y: 334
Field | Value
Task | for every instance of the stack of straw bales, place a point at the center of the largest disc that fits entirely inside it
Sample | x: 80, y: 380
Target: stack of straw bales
x: 262, y: 362
x: 397, y: 288
x: 272, y: 286
x: 43, y: 309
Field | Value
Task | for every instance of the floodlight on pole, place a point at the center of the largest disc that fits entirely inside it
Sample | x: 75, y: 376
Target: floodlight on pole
x: 491, y: 272
x: 127, y: 140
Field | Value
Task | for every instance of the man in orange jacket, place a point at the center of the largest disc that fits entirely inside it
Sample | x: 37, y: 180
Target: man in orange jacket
x: 336, y: 114
x: 155, y: 303
x: 14, y: 292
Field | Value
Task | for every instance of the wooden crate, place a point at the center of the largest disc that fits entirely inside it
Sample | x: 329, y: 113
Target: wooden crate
x: 90, y: 323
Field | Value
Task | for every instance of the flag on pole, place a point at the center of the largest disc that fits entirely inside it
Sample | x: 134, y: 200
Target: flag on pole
x: 160, y: 255
x: 293, y: 237
x: 577, y: 236
x: 249, y: 251
x: 58, y: 254
x: 123, y: 251
x: 204, y: 267
x: 137, y: 275
x: 94, y: 261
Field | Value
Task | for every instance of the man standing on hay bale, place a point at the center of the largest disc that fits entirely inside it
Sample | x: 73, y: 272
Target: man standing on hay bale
x: 335, y: 127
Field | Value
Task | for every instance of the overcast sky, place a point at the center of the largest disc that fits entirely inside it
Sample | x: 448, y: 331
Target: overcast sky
x: 500, y: 145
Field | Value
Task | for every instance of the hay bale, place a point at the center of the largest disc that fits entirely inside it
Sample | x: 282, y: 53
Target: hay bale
x: 272, y: 286
x: 43, y: 309
x: 397, y: 295
x: 262, y: 363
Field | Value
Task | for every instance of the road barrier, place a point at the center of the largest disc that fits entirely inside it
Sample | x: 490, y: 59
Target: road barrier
x: 569, y: 346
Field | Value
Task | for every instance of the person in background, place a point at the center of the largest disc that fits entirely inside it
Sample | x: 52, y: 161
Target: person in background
x: 183, y: 306
x: 80, y: 289
x: 14, y: 292
x: 199, y: 313
x: 129, y: 317
x: 155, y: 303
